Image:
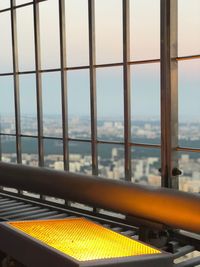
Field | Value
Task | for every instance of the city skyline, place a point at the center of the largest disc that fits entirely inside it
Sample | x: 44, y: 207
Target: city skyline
x: 145, y: 161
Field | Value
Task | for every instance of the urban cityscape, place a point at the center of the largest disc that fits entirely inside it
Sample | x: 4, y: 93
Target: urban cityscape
x: 145, y: 161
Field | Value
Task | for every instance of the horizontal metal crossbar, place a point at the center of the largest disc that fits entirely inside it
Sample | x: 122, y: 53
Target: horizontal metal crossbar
x: 131, y: 199
x: 106, y: 65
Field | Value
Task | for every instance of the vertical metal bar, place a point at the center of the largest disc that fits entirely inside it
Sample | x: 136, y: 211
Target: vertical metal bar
x: 16, y: 80
x: 0, y: 148
x: 0, y: 139
x: 1, y: 187
x: 38, y: 81
x: 93, y: 100
x: 169, y: 93
x: 63, y: 64
x: 126, y: 80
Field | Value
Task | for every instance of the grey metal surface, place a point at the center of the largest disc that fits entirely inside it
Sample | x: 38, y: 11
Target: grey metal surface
x: 190, y: 263
x: 13, y: 207
x: 16, y: 209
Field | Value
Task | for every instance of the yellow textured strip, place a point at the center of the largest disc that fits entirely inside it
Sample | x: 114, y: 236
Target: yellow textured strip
x: 82, y: 239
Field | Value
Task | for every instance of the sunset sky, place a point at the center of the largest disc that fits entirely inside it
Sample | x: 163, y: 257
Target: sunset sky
x: 145, y: 34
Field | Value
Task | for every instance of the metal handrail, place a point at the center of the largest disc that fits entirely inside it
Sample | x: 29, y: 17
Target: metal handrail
x: 166, y: 206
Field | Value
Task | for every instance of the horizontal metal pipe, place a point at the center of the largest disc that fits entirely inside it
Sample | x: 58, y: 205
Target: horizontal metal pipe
x: 167, y: 206
x: 106, y: 65
x: 188, y: 149
x: 89, y: 141
x: 190, y: 262
x: 20, y: 6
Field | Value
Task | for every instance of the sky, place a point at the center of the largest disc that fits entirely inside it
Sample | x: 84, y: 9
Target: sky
x: 144, y: 44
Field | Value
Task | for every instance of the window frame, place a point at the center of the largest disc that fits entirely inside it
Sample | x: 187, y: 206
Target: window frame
x: 169, y: 88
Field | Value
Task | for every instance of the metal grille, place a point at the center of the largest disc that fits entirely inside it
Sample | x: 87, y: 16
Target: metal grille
x: 15, y: 209
x: 168, y: 146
